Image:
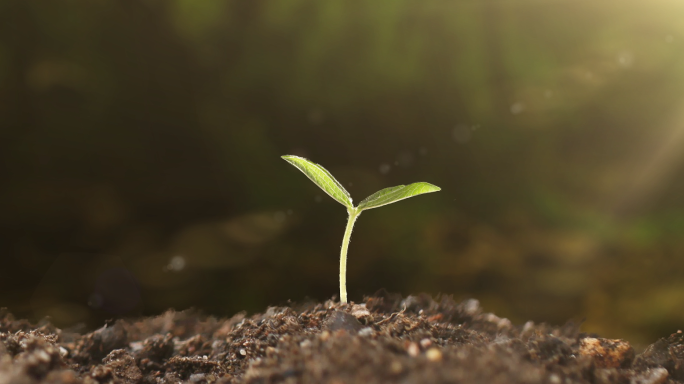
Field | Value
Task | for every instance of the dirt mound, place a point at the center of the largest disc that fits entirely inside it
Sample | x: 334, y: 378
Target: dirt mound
x: 386, y: 339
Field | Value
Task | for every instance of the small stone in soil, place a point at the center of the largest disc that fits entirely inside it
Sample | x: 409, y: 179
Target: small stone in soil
x: 340, y: 320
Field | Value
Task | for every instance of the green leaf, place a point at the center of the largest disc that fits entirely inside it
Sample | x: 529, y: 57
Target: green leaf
x: 322, y: 178
x: 394, y: 194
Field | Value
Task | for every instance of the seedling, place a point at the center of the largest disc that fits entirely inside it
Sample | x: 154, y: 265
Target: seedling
x: 321, y: 177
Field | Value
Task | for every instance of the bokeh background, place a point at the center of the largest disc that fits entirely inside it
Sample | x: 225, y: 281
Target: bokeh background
x: 140, y: 148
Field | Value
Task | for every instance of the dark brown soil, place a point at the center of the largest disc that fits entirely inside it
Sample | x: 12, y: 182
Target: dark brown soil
x: 383, y: 340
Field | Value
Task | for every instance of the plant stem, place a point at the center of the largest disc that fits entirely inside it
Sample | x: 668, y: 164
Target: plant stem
x: 353, y: 214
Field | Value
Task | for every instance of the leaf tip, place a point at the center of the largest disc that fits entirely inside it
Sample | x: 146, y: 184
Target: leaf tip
x: 433, y: 187
x: 292, y: 159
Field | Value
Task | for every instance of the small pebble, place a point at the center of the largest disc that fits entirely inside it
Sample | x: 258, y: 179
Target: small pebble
x: 305, y: 344
x: 528, y: 326
x: 395, y: 367
x: 413, y: 349
x: 554, y: 379
x: 425, y: 343
x: 651, y: 376
x: 43, y: 356
x: 504, y: 323
x: 366, y: 331
x: 342, y: 321
x: 607, y: 353
x: 471, y: 307
x: 285, y: 338
x: 325, y: 335
x: 434, y: 354
x: 243, y: 352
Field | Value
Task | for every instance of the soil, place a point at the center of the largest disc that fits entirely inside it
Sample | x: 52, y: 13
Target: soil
x: 385, y: 339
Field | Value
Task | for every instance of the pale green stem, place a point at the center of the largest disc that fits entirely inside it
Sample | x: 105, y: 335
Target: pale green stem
x: 353, y: 214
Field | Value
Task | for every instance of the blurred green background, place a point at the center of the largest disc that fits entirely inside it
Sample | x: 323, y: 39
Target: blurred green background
x: 140, y: 148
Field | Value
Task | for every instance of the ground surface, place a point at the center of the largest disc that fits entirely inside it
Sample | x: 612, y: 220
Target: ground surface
x: 383, y: 340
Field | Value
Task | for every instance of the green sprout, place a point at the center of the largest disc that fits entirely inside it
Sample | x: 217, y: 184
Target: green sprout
x: 321, y: 177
